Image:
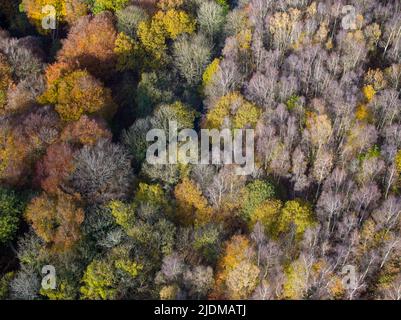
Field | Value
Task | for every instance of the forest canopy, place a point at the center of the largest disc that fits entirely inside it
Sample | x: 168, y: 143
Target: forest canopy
x: 319, y: 82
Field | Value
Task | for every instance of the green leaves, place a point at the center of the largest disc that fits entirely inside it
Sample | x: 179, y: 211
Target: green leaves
x: 11, y: 207
x: 254, y: 194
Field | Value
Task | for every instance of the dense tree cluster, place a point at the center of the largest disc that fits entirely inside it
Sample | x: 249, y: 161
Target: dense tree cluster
x: 318, y: 80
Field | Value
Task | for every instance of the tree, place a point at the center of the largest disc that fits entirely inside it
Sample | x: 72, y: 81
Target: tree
x: 164, y: 25
x: 200, y: 280
x: 66, y: 11
x: 177, y: 111
x: 56, y: 219
x: 234, y: 110
x: 11, y: 208
x: 124, y: 214
x: 84, y: 47
x: 5, y: 284
x: 267, y: 213
x: 127, y: 51
x: 99, y: 281
x: 295, y: 214
x: 5, y: 82
x: 169, y: 4
x: 77, y: 93
x: 192, y: 206
x: 85, y: 131
x: 295, y: 286
x: 129, y: 18
x: 103, y: 172
x: 242, y: 280
x: 23, y: 58
x: 231, y: 282
x: 175, y: 22
x: 111, y: 5
x: 191, y: 56
x: 54, y: 169
x: 209, y: 72
x: 254, y: 194
x: 22, y: 144
x: 135, y: 140
x: 25, y: 285
x: 153, y: 38
x: 211, y: 17
x: 153, y: 89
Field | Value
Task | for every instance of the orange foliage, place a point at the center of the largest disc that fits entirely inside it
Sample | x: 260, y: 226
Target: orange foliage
x: 55, y: 167
x: 90, y: 44
x: 23, y: 143
x: 237, y: 250
x: 192, y: 205
x: 56, y: 219
x: 85, y: 131
x: 78, y: 93
x: 5, y: 83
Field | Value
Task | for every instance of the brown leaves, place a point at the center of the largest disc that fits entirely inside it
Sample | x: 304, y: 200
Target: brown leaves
x: 55, y: 167
x: 90, y: 44
x: 56, y: 219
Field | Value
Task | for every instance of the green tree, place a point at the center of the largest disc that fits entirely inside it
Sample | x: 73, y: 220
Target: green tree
x: 295, y: 213
x: 11, y: 207
x: 254, y: 194
x: 99, y: 281
x: 111, y: 5
x: 152, y: 90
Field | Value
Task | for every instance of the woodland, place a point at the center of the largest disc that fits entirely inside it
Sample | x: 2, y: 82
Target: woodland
x: 319, y: 82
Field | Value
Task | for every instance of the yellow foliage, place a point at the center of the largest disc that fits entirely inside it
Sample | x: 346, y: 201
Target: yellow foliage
x: 297, y: 213
x: 282, y: 25
x: 169, y: 292
x: 192, y: 205
x: 319, y: 127
x: 336, y: 287
x: 210, y: 72
x: 175, y: 22
x: 242, y: 280
x: 163, y: 25
x: 267, y: 214
x: 295, y: 284
x: 132, y: 268
x: 8, y: 152
x: 244, y: 39
x: 126, y: 47
x: 63, y: 291
x: 363, y: 113
x: 369, y: 92
x: 234, y: 108
x: 247, y: 114
x: 98, y: 281
x: 398, y: 161
x: 373, y: 34
x: 5, y: 82
x: 66, y: 11
x: 123, y: 213
x: 153, y: 37
x: 237, y: 251
x: 79, y: 93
